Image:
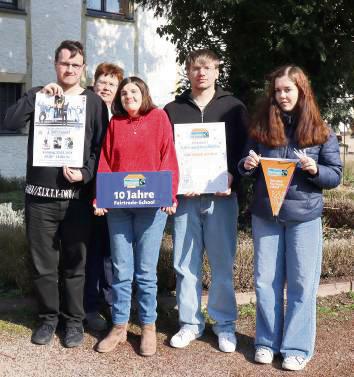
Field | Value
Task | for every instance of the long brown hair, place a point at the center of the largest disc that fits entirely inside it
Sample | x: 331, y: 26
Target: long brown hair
x: 267, y: 126
x: 146, y: 104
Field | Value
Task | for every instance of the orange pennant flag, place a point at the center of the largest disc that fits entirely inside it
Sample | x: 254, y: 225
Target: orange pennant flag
x: 278, y: 173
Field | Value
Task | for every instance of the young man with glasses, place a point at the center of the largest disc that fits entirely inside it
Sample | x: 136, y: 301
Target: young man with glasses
x: 207, y: 221
x: 57, y: 204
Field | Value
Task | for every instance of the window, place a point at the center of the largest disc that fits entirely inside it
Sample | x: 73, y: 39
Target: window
x: 11, y: 4
x: 9, y: 94
x: 121, y: 9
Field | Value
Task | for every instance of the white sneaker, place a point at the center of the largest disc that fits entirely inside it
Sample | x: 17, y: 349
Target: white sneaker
x: 227, y: 341
x: 183, y: 338
x: 294, y: 363
x: 263, y: 355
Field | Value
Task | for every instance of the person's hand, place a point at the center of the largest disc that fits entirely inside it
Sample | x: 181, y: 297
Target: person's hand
x: 170, y: 210
x: 72, y: 174
x: 230, y: 178
x: 252, y: 160
x: 309, y: 164
x: 99, y: 211
x: 191, y: 194
x: 53, y: 89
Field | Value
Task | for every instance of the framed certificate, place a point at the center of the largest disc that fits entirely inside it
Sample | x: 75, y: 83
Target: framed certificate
x: 201, y: 154
x: 134, y: 189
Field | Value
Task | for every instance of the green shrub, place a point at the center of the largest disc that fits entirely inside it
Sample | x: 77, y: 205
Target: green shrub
x: 348, y: 173
x: 165, y: 271
x: 11, y: 184
x: 339, y: 208
x: 338, y: 257
x: 337, y: 260
x: 243, y: 268
x: 15, y: 267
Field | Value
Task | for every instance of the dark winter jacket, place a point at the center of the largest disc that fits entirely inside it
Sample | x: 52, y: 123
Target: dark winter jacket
x: 224, y: 107
x: 50, y: 181
x: 304, y: 200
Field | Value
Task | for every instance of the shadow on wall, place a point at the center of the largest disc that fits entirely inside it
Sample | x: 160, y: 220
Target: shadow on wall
x: 115, y: 41
x: 157, y: 60
x: 110, y: 41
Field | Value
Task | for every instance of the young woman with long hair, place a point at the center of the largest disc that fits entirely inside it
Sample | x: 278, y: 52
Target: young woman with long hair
x: 288, y: 247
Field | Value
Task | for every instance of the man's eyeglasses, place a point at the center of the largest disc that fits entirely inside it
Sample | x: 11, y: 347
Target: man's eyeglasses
x: 74, y: 66
x: 111, y: 85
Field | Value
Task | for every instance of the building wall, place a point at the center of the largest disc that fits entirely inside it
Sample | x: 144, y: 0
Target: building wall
x: 111, y: 41
x: 13, y: 44
x: 28, y: 42
x: 156, y: 59
x: 51, y: 22
x: 137, y: 48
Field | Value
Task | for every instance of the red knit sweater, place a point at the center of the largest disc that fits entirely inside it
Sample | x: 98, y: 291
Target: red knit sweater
x: 140, y: 144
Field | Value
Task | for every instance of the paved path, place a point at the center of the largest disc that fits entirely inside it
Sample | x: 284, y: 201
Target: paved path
x: 20, y: 358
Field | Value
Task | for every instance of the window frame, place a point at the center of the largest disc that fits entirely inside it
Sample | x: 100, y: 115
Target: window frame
x: 126, y: 12
x: 12, y: 92
x: 7, y: 5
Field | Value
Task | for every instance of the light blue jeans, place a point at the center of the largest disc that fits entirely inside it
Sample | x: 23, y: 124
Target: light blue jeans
x: 207, y: 222
x: 288, y: 252
x: 135, y: 237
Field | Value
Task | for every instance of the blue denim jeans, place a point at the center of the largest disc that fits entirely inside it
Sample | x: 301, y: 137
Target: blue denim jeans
x: 288, y: 252
x: 207, y: 222
x: 135, y: 237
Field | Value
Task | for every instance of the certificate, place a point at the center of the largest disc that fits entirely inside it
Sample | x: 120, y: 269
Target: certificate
x: 201, y: 154
x: 134, y: 189
x: 59, y: 130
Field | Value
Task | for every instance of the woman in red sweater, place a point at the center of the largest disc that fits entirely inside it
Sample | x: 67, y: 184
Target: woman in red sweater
x: 138, y: 139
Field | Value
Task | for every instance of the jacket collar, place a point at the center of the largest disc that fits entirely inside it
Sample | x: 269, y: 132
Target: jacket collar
x: 187, y: 94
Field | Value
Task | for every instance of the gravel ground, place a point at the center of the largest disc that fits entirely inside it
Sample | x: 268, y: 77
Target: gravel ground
x: 334, y: 352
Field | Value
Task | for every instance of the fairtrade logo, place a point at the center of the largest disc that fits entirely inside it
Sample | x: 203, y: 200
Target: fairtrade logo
x: 134, y: 180
x: 278, y: 172
x: 199, y: 133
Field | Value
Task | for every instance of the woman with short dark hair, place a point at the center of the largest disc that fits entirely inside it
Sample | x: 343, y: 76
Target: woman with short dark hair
x: 106, y: 81
x: 98, y: 262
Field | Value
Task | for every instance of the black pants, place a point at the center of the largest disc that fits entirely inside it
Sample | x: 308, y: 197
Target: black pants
x: 58, y: 229
x: 99, y: 269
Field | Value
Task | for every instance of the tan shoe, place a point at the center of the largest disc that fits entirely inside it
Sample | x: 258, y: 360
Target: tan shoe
x: 148, y: 340
x: 118, y: 334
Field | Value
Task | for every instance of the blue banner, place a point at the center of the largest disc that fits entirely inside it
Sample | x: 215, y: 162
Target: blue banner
x: 134, y: 189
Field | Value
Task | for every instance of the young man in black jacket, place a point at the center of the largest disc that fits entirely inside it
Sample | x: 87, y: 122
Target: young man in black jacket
x: 57, y: 203
x: 207, y: 220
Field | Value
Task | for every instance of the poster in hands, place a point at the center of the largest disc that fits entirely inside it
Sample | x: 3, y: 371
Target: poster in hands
x: 201, y: 154
x: 59, y: 130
